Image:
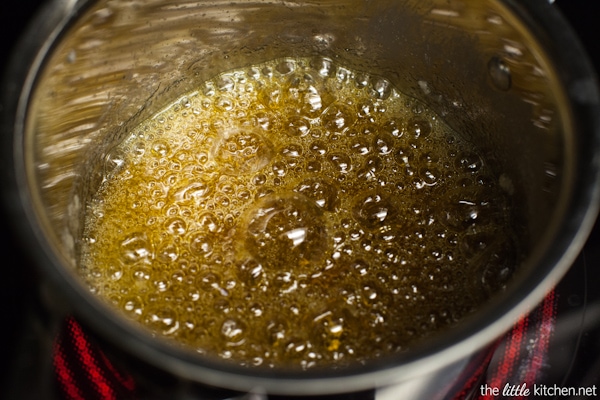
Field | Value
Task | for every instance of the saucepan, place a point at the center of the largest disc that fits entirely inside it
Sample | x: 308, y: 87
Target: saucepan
x: 508, y: 75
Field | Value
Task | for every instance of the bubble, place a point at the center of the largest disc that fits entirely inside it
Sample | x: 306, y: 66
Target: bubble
x: 133, y: 306
x: 321, y: 191
x: 285, y: 67
x: 403, y: 167
x: 267, y: 121
x: 313, y: 166
x: 343, y: 74
x: 243, y: 194
x: 284, y: 283
x: 316, y: 132
x: 368, y: 129
x: 161, y: 285
x: 233, y: 331
x: 225, y: 83
x: 259, y: 180
x: 286, y: 229
x: 208, y: 222
x: 356, y: 234
x: 295, y: 347
x: 341, y: 162
x: 114, y: 161
x: 171, y: 179
x: 256, y: 310
x: 139, y: 148
x: 361, y: 267
x: 224, y: 103
x: 160, y: 148
x: 468, y: 162
x: 250, y: 272
x: 185, y: 102
x: 337, y: 118
x: 135, y: 248
x: 306, y: 95
x: 382, y: 89
x: 430, y: 176
x: 383, y: 143
x: 292, y: 150
x: 319, y: 148
x: 375, y: 210
x: 208, y: 281
x: 370, y: 168
x: 418, y: 128
x: 370, y: 292
x: 226, y: 187
x: 115, y: 271
x: 393, y: 127
x: 362, y: 80
x: 360, y: 146
x: 365, y: 109
x: 176, y: 226
x: 429, y: 157
x: 391, y: 254
x: 163, y: 320
x: 177, y: 276
x: 298, y: 126
x: 323, y: 66
x: 242, y: 151
x: 167, y: 253
x: 279, y: 168
x: 277, y: 330
x: 202, y: 245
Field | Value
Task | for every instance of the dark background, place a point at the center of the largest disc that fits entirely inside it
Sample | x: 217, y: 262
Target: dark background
x: 16, y: 277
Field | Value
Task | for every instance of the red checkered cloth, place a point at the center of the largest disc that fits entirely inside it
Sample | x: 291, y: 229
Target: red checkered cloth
x: 83, y: 372
x: 520, y: 357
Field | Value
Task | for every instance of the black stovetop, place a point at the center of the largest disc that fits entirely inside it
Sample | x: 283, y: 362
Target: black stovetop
x: 574, y: 353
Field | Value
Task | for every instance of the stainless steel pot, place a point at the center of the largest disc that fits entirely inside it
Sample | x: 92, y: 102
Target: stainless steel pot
x: 509, y: 75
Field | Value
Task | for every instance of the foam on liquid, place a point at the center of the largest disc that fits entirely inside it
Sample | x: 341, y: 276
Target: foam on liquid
x: 297, y: 213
